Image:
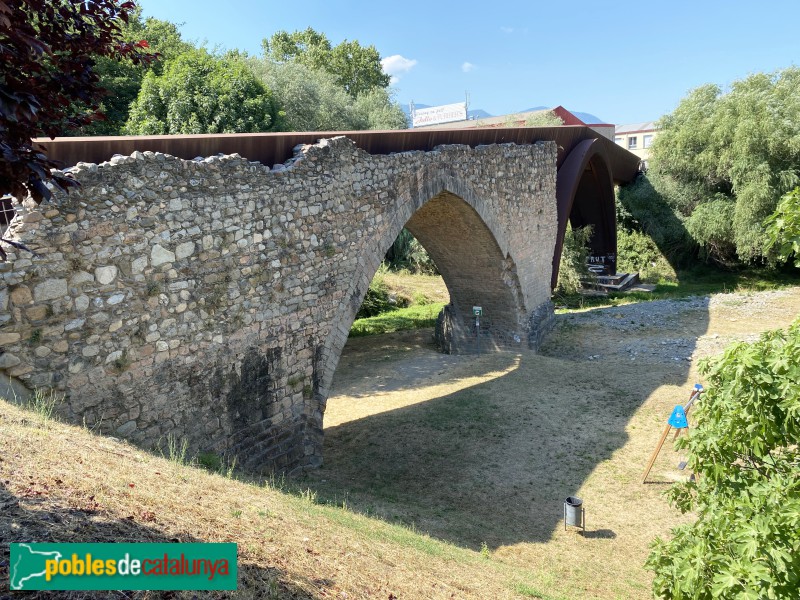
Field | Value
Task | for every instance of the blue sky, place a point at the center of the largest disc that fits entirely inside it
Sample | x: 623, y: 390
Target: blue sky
x: 622, y: 61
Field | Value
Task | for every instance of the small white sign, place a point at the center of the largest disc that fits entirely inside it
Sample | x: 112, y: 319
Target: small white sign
x: 477, y: 311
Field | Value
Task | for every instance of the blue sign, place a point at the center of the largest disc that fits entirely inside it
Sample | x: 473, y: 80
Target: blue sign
x: 678, y: 418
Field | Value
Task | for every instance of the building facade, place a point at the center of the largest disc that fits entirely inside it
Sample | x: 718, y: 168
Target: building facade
x: 637, y: 138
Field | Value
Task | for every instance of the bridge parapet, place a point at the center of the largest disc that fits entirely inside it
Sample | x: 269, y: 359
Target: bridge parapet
x: 210, y: 299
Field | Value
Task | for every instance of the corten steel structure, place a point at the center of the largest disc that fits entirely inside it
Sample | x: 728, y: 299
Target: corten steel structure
x: 589, y: 165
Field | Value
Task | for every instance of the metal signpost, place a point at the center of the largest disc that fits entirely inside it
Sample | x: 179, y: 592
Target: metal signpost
x: 477, y: 312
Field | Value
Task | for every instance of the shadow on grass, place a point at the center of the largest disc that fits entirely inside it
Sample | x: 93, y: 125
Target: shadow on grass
x: 493, y: 462
x: 31, y: 516
x: 599, y: 534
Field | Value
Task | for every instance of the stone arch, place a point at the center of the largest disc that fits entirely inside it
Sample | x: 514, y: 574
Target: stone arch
x: 472, y: 252
x: 585, y: 196
x: 210, y: 298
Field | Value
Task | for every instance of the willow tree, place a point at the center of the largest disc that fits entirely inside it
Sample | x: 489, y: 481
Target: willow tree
x: 733, y: 154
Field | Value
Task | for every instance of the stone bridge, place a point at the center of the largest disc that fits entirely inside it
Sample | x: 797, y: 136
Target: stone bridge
x: 210, y: 298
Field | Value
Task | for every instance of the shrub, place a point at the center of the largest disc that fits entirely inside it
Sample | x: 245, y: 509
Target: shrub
x: 377, y: 299
x: 573, y: 270
x: 650, y: 205
x: 407, y: 253
x: 744, y: 452
x: 783, y: 228
x: 638, y: 252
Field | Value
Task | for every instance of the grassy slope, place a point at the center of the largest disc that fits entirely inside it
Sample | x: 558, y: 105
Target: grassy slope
x: 61, y: 483
x: 429, y: 289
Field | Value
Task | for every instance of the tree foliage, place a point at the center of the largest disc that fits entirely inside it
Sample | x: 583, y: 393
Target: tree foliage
x: 783, y: 228
x: 744, y: 451
x: 202, y: 93
x: 53, y: 86
x: 357, y: 68
x: 546, y: 118
x: 735, y: 154
x: 313, y: 100
x: 647, y: 206
x: 122, y: 79
x: 406, y: 252
x: 573, y: 271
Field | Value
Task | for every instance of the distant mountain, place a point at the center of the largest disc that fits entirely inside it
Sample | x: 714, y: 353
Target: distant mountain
x: 587, y: 118
x: 478, y: 113
x: 536, y: 108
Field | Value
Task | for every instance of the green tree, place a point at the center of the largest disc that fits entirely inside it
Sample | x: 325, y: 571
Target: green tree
x: 783, y: 228
x: 356, y: 68
x: 735, y: 154
x: 376, y: 109
x: 123, y: 79
x: 745, y: 543
x: 647, y: 206
x: 202, y: 93
x: 313, y: 100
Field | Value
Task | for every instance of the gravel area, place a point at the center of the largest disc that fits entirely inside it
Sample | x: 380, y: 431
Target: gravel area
x: 671, y: 330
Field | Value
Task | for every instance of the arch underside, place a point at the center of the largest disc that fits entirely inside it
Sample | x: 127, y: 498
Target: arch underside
x: 476, y: 274
x: 585, y: 197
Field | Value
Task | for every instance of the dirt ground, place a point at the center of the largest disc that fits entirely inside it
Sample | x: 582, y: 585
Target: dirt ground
x: 481, y: 451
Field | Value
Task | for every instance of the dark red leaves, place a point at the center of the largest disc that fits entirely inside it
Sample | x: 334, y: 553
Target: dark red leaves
x: 49, y: 86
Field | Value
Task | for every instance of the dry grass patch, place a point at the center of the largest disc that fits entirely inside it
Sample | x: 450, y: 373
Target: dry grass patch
x: 409, y: 285
x: 60, y: 483
x: 444, y: 476
x: 481, y: 451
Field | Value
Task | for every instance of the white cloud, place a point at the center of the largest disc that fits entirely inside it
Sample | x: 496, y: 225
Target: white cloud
x: 397, y: 65
x: 507, y: 29
x: 467, y: 67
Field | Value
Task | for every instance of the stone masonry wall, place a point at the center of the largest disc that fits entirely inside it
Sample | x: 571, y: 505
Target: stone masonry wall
x: 210, y: 299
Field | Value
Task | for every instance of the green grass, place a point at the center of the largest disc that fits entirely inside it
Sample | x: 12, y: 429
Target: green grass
x: 43, y: 404
x: 401, y: 319
x: 699, y: 281
x: 530, y: 591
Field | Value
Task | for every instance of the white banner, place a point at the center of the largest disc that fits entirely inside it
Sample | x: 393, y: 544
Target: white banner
x: 439, y: 114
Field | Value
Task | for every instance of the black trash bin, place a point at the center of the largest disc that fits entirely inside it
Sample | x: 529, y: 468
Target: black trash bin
x: 573, y: 512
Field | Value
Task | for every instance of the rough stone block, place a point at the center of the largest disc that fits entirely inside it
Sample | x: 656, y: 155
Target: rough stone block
x: 105, y: 275
x: 160, y: 255
x: 50, y: 289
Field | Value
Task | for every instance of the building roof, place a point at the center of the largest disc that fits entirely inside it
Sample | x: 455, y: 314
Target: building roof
x: 636, y: 127
x: 518, y: 120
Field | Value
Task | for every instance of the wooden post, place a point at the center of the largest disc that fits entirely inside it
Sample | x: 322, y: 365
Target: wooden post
x: 656, y: 451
